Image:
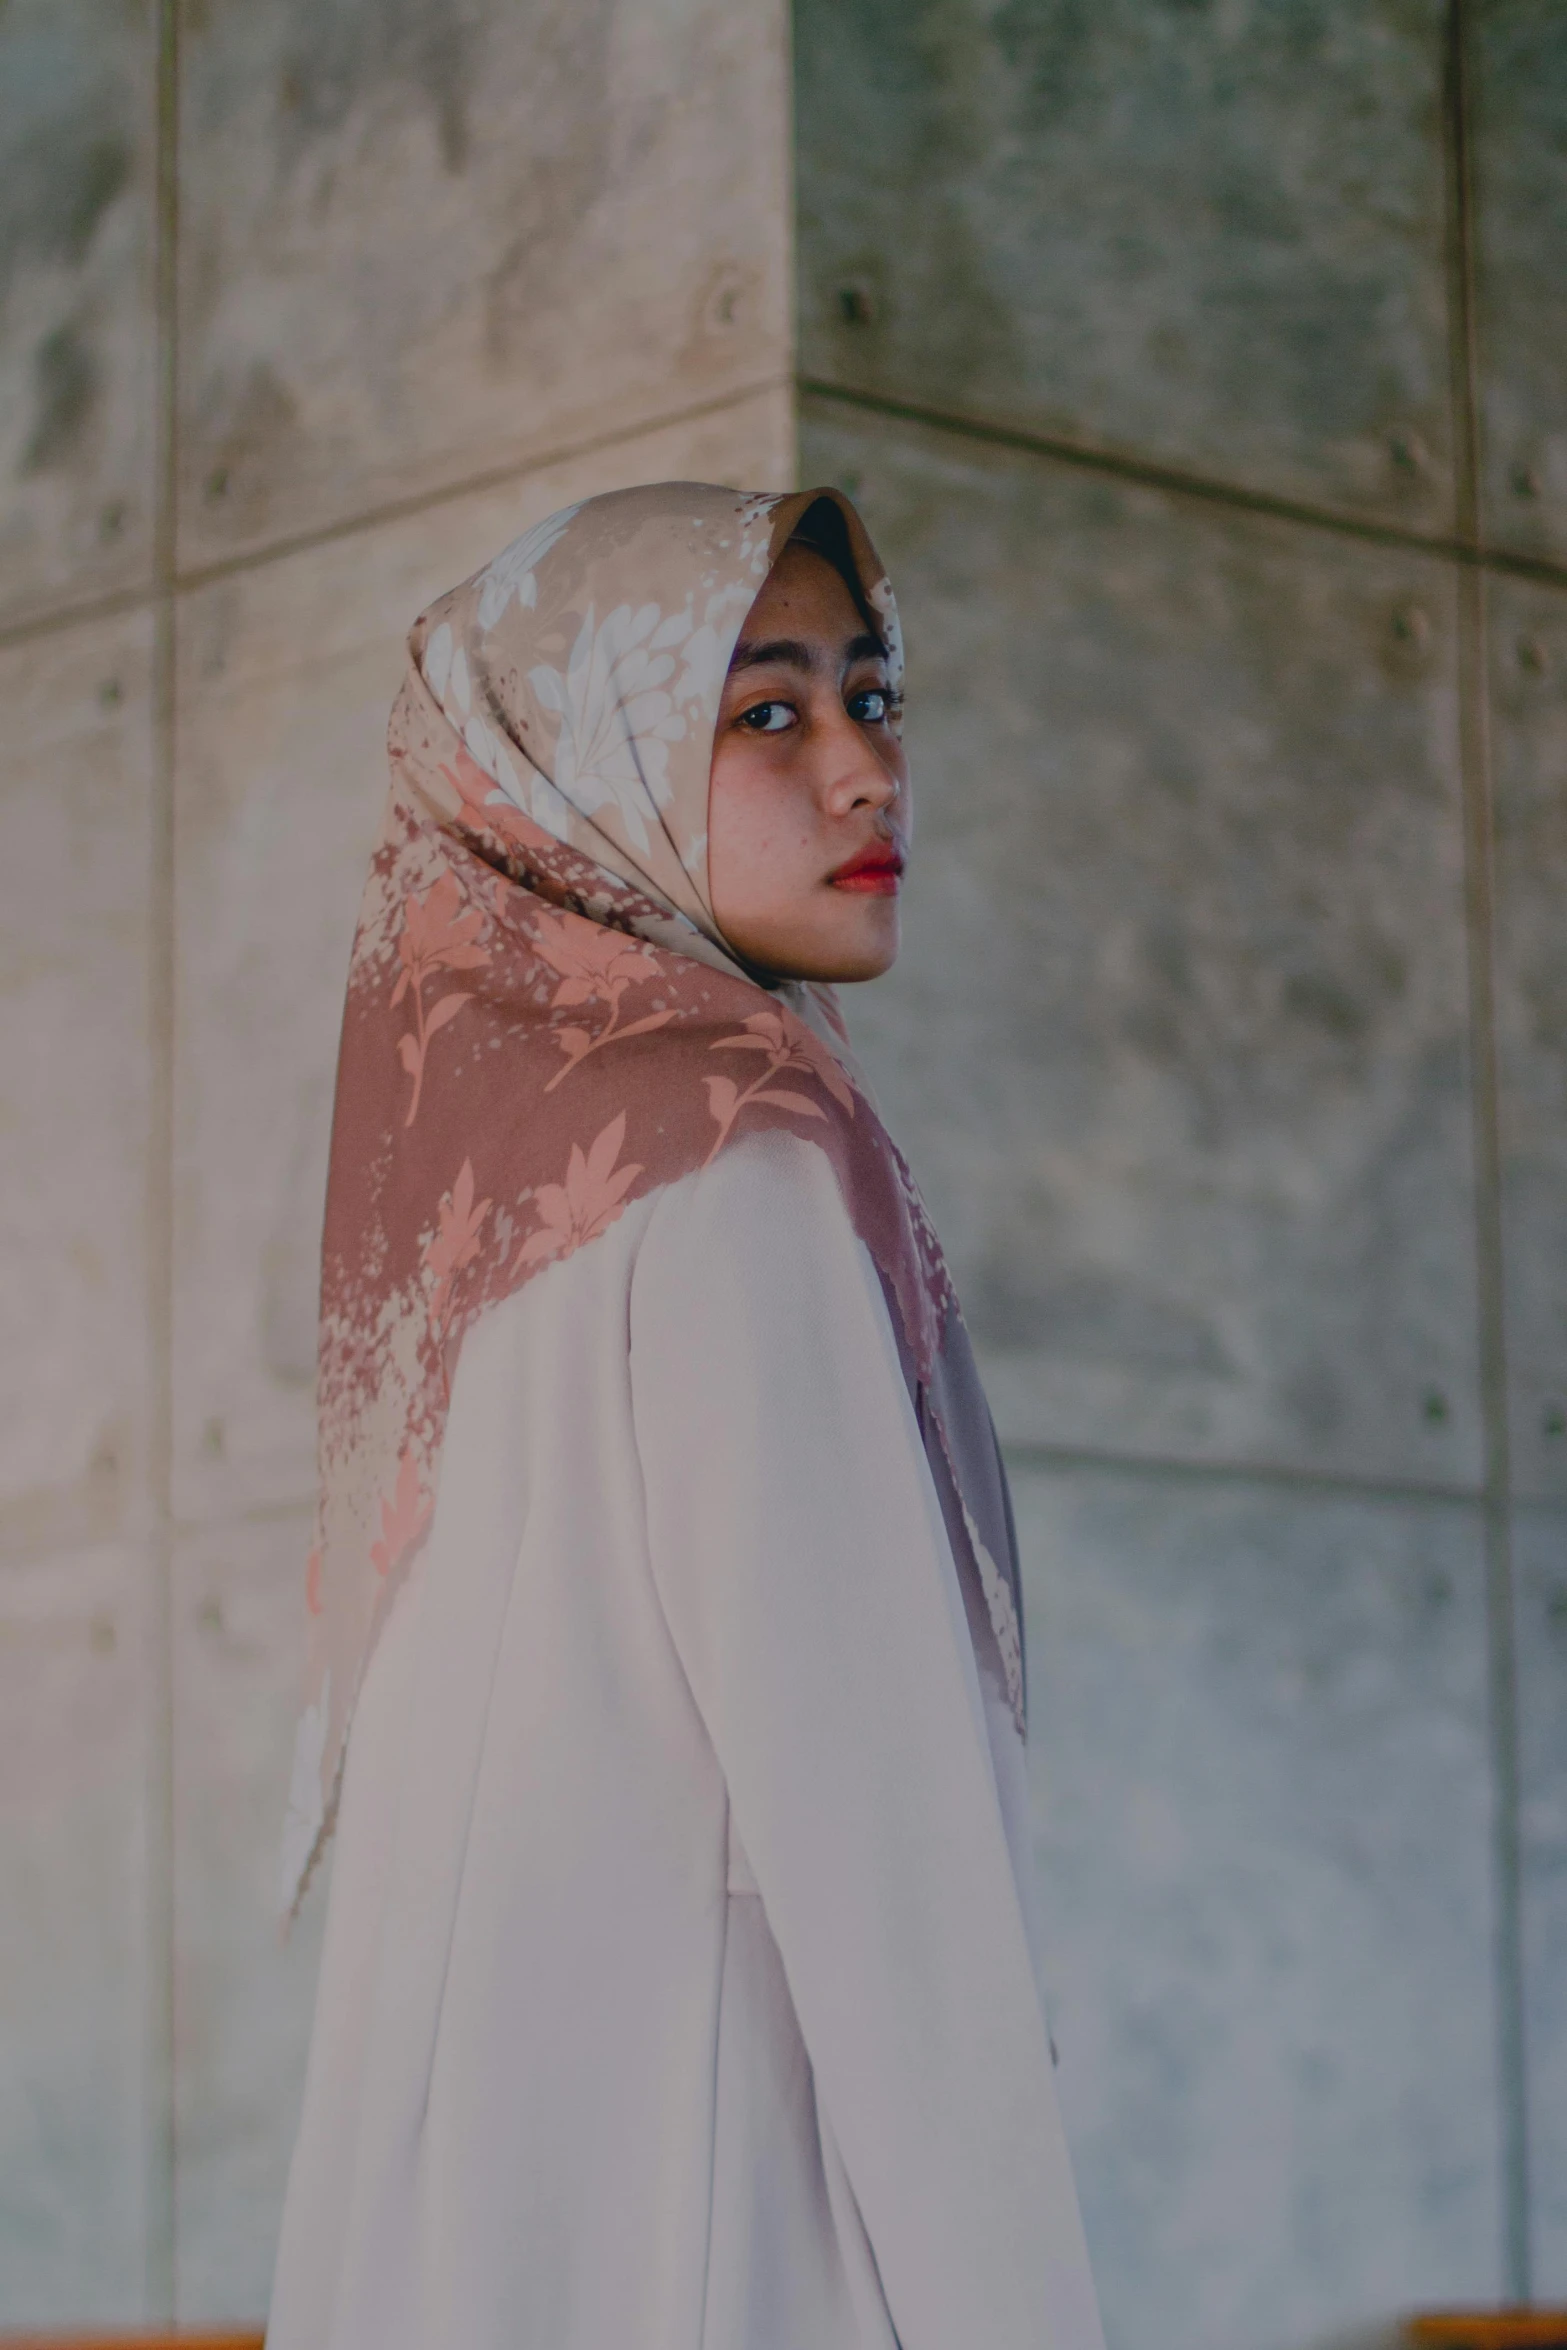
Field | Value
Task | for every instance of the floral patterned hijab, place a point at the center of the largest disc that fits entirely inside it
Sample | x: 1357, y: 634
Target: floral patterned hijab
x: 544, y: 1023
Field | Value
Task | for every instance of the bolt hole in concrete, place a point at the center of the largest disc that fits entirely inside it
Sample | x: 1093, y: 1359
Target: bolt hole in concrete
x: 856, y: 305
x: 1409, y: 453
x: 725, y: 307
x: 1435, y: 1408
x: 1525, y: 480
x: 1553, y: 1421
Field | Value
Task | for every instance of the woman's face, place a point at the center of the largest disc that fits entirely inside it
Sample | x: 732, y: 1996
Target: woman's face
x: 809, y: 818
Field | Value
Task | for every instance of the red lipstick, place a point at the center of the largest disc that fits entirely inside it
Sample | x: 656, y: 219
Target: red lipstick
x: 876, y: 871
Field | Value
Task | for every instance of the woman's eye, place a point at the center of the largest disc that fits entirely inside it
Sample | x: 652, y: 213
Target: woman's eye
x: 767, y: 717
x: 872, y: 705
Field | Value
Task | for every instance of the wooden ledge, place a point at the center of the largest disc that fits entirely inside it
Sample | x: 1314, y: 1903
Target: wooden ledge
x: 131, y: 2342
x: 1486, y: 2329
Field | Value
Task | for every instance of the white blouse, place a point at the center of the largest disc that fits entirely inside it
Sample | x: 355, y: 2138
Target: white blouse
x: 678, y: 1989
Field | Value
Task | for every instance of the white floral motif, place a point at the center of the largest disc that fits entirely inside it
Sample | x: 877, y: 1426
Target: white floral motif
x: 438, y: 660
x: 616, y: 716
x: 511, y: 573
x: 881, y: 601
x: 549, y: 809
x: 302, y: 1824
x: 705, y: 654
x: 533, y: 793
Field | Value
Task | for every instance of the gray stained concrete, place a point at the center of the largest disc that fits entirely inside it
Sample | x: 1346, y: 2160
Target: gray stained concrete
x: 1185, y: 1078
x: 74, y: 1953
x: 391, y: 212
x: 1207, y: 236
x: 1541, y: 1550
x: 78, y: 351
x: 1528, y: 701
x: 1519, y: 67
x: 76, y: 1572
x: 243, y: 2002
x: 1201, y: 369
x: 77, y: 890
x: 1259, y: 1754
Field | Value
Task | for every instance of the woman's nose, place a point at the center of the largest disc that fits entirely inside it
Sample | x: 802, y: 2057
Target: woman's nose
x: 859, y: 778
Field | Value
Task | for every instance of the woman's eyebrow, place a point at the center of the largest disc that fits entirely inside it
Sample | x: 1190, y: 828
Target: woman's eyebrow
x: 792, y: 653
x: 787, y: 650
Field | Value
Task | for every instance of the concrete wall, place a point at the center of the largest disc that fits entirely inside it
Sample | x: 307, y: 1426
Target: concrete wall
x: 306, y: 306
x: 1198, y: 364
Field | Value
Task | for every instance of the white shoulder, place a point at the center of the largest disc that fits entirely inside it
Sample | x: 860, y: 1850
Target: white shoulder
x: 768, y: 1196
x: 762, y: 1240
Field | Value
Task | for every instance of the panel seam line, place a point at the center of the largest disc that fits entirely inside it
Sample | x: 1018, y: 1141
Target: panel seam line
x: 1181, y: 481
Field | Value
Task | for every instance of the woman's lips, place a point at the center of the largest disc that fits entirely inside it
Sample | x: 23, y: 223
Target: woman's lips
x: 875, y: 872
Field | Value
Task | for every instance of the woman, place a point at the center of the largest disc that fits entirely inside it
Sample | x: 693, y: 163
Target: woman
x: 680, y: 1979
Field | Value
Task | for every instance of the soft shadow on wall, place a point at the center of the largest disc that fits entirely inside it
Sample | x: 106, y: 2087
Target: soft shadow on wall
x: 1198, y: 368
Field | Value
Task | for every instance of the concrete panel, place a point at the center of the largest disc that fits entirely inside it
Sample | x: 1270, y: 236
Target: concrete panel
x: 77, y: 330
x: 1528, y: 677
x: 423, y: 239
x: 1518, y: 51
x: 1213, y: 236
x: 1540, y: 1561
x: 72, y: 1952
x: 1260, y: 1763
x: 242, y: 1999
x: 75, y: 859
x: 1178, y: 1039
x: 286, y: 677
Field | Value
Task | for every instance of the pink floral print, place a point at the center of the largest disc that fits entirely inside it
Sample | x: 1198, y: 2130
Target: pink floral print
x: 403, y: 1518
x: 595, y: 966
x: 456, y: 1242
x: 435, y: 937
x: 587, y: 1203
x: 766, y: 1032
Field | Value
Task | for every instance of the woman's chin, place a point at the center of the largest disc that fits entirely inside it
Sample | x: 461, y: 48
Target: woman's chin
x: 846, y: 953
x: 851, y: 938
x: 867, y: 963
x: 870, y: 940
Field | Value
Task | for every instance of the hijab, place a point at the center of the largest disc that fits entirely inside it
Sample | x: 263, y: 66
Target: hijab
x: 544, y: 1022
